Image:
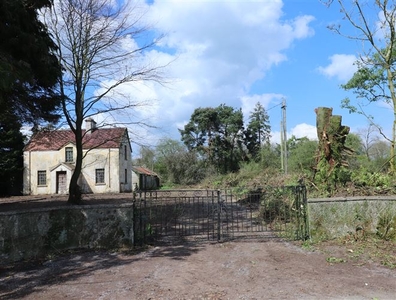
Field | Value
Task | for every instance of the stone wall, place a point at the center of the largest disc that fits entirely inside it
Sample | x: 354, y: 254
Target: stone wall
x: 35, y: 233
x: 343, y: 216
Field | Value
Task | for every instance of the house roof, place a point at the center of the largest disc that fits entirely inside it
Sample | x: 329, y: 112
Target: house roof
x: 56, y: 139
x: 142, y: 170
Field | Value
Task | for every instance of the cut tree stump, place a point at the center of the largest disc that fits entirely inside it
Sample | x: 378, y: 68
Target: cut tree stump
x: 331, y: 136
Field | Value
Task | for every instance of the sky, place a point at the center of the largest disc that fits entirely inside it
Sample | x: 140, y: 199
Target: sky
x: 243, y: 52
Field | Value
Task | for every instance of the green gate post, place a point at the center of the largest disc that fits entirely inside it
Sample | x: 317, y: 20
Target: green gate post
x: 297, y: 197
x: 218, y: 215
x: 301, y: 209
x: 307, y: 234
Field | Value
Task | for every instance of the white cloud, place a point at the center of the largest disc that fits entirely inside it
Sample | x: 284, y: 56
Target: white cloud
x: 342, y: 67
x: 220, y: 49
x: 299, y: 131
x: 249, y: 102
x: 304, y: 130
x: 301, y: 26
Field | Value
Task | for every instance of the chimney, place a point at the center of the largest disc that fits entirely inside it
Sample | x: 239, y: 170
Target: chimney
x: 90, y: 125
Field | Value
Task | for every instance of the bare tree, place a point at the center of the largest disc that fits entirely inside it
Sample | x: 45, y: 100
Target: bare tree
x: 374, y: 25
x: 369, y: 138
x: 100, y: 47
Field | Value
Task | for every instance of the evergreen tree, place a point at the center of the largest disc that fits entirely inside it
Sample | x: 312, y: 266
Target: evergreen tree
x: 29, y: 70
x: 217, y: 135
x: 11, y: 159
x: 258, y: 131
x: 29, y: 73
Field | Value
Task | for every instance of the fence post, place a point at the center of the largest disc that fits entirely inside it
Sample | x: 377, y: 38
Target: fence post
x: 299, y: 209
x: 134, y: 216
x: 137, y: 219
x: 302, y: 211
x: 218, y: 215
x: 307, y: 234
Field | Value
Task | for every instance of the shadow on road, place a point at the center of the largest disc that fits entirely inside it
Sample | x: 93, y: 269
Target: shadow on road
x: 23, y: 279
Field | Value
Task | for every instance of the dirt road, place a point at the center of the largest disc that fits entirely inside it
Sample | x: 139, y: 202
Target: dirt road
x: 270, y: 269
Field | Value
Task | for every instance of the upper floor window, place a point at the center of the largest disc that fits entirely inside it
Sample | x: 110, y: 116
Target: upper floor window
x: 99, y: 176
x: 125, y: 152
x: 69, y: 154
x: 41, y: 177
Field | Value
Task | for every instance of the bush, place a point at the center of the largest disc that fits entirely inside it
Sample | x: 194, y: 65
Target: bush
x: 373, y: 179
x: 386, y: 228
x: 274, y: 210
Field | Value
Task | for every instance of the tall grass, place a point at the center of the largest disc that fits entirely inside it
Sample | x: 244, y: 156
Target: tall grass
x: 358, y: 218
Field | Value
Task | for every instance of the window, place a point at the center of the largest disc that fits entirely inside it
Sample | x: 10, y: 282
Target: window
x: 100, y: 176
x: 69, y: 154
x: 125, y: 152
x: 41, y: 177
x: 126, y: 176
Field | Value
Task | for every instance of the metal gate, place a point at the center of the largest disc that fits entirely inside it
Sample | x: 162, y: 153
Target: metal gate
x: 220, y: 214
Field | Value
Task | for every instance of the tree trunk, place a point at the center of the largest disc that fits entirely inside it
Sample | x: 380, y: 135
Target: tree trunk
x: 74, y: 188
x: 392, y: 150
x: 393, y: 96
x: 331, y: 148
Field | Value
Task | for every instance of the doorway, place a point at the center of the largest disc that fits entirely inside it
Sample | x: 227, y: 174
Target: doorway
x: 61, y: 182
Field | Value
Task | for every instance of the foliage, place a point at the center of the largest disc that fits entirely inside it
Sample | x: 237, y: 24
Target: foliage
x: 216, y: 135
x: 11, y: 159
x: 219, y: 138
x: 386, y: 227
x: 258, y: 131
x: 174, y: 163
x: 379, y: 156
x: 329, y: 179
x: 362, y: 177
x: 374, y: 80
x: 368, y: 157
x: 29, y: 75
x: 354, y: 142
x: 177, y: 165
x: 29, y: 69
x: 275, y: 209
x: 364, y: 173
x: 302, y: 153
x: 270, y: 157
x: 146, y: 158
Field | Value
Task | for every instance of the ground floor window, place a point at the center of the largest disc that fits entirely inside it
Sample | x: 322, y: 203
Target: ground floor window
x: 41, y: 177
x: 100, y: 176
x: 126, y: 176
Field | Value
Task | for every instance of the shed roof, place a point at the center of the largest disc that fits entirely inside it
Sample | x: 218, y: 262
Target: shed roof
x: 143, y: 170
x: 56, y: 139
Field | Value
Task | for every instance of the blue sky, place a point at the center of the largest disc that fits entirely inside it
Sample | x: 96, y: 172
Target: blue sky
x: 241, y: 52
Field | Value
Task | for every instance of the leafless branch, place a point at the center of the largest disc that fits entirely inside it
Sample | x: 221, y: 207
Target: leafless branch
x: 102, y: 45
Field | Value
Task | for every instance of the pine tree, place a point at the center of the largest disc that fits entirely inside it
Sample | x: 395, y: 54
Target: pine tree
x: 258, y: 131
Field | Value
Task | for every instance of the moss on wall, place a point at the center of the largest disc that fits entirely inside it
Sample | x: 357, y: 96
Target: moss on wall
x: 38, y: 232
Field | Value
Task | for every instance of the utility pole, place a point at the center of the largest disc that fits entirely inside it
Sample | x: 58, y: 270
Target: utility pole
x: 284, y: 137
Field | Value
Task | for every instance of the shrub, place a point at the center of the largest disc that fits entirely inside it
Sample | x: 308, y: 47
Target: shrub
x: 374, y: 179
x: 386, y: 228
